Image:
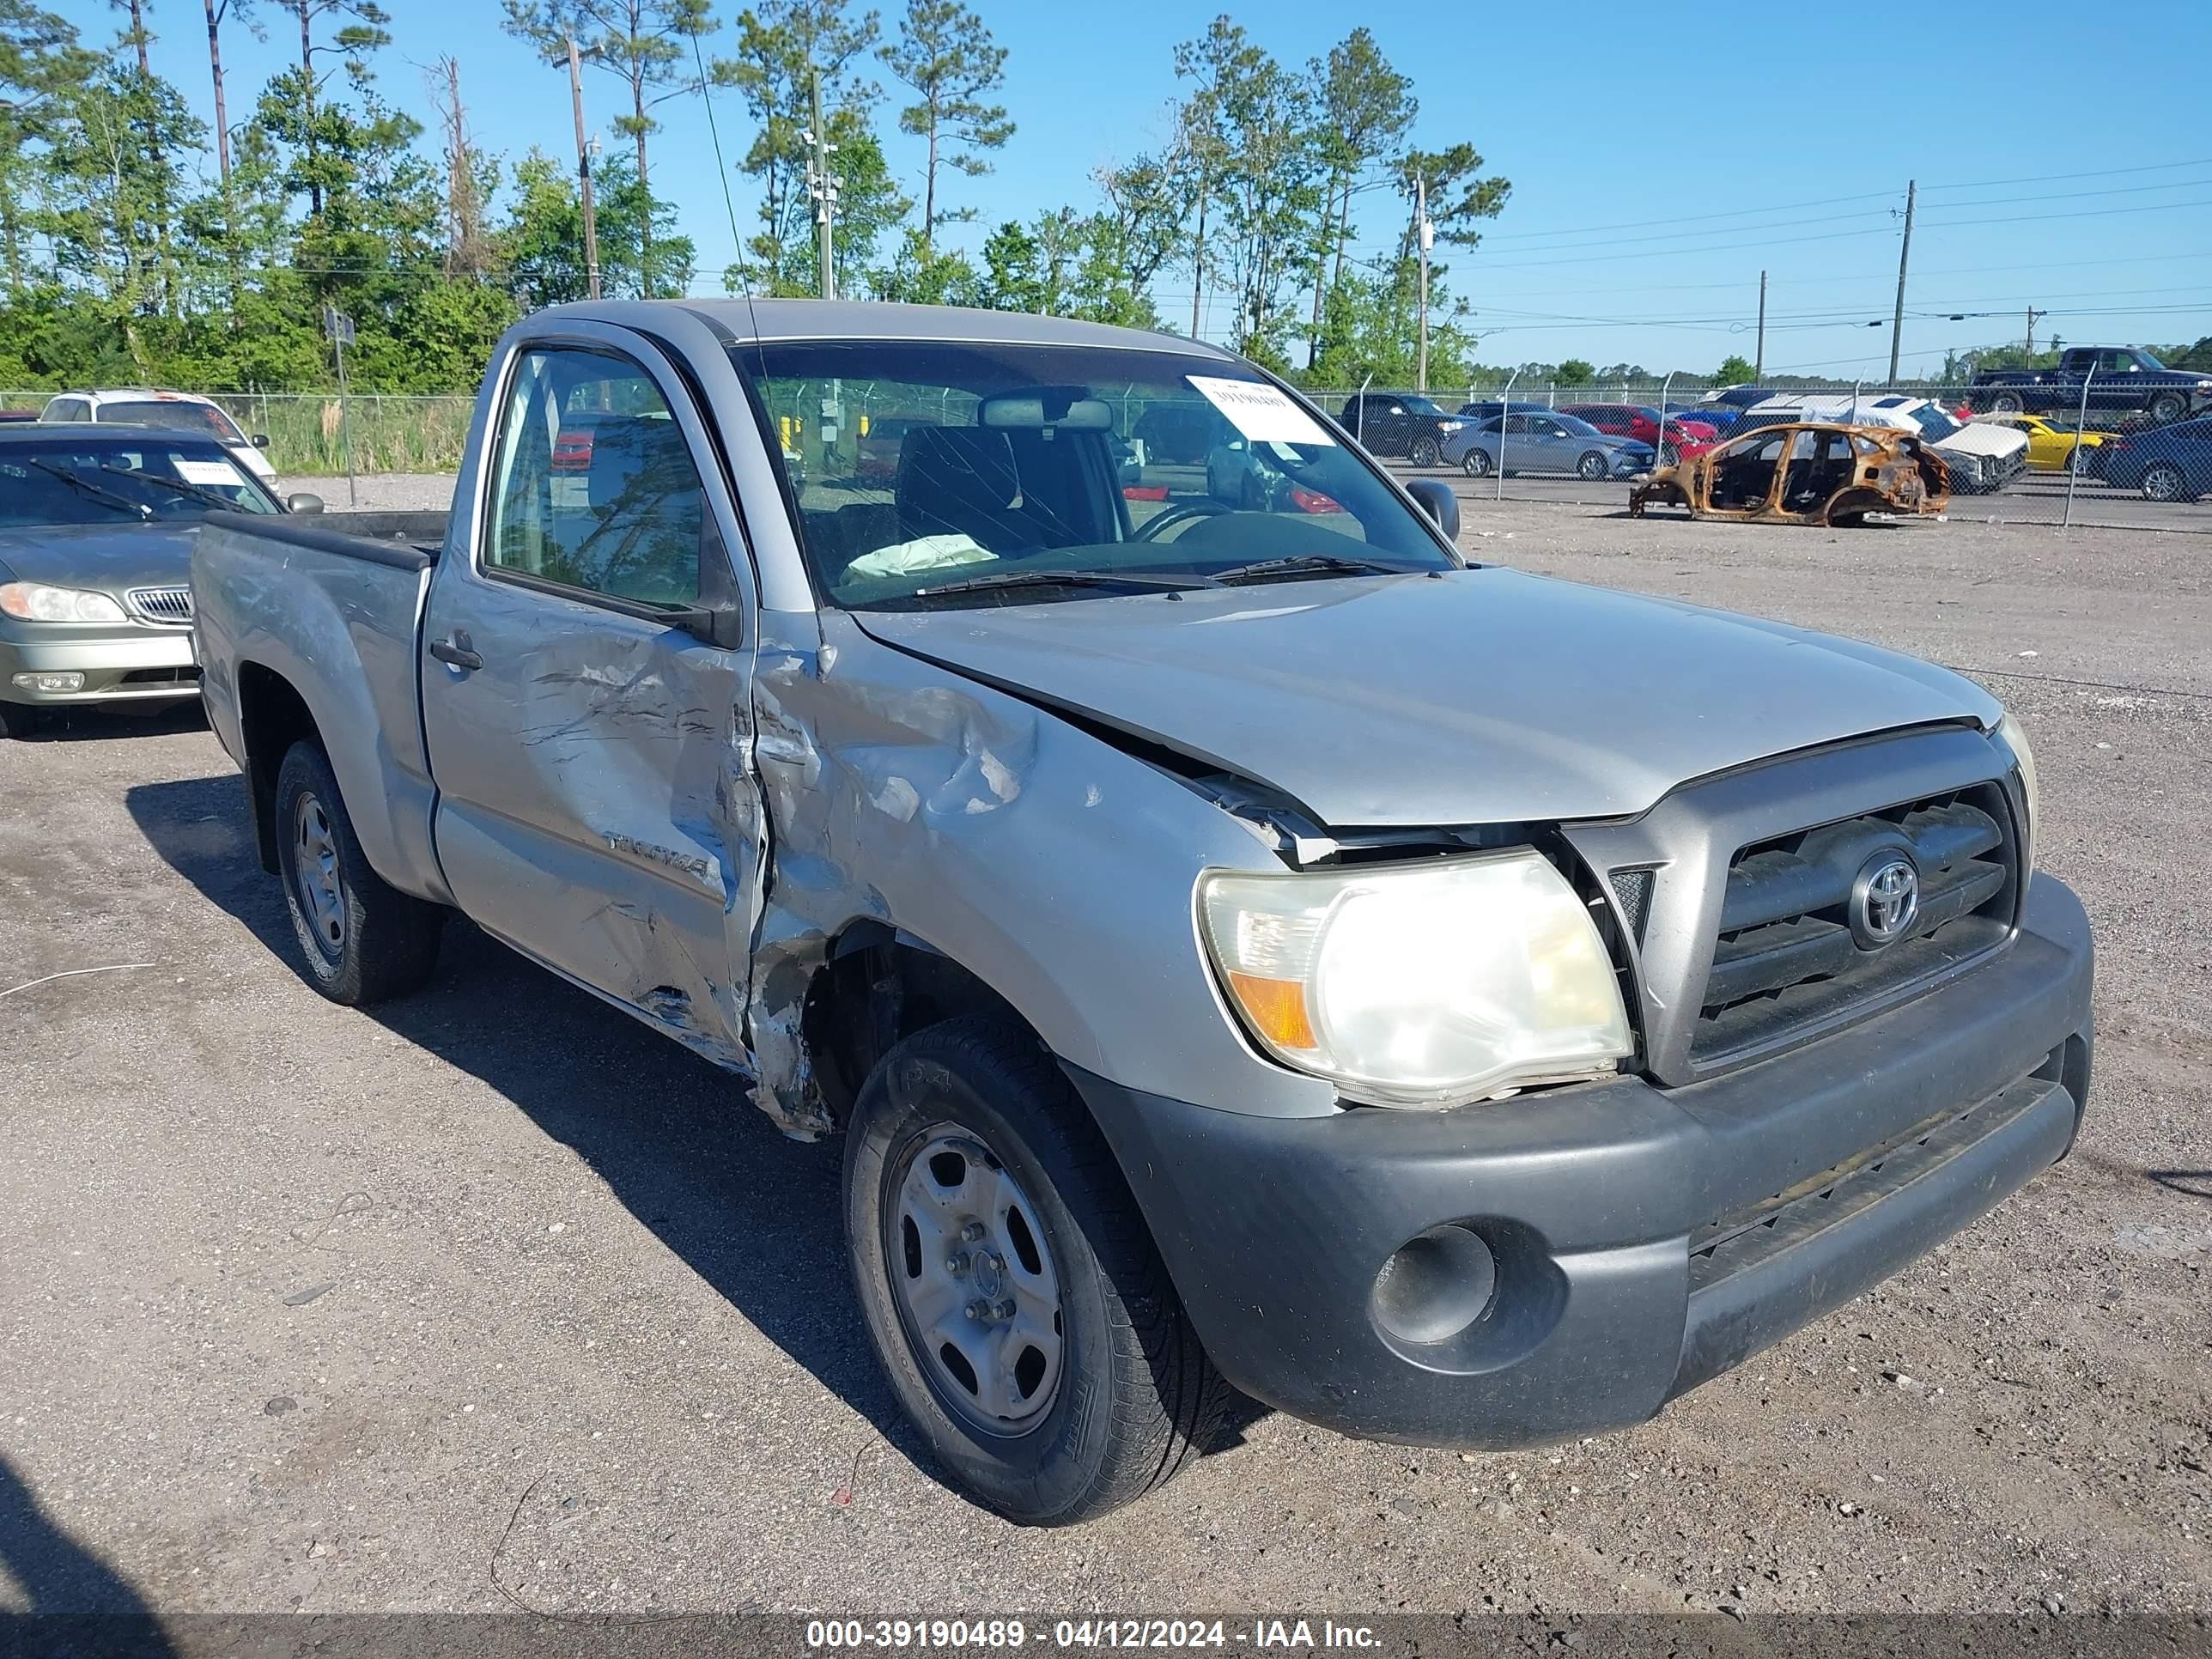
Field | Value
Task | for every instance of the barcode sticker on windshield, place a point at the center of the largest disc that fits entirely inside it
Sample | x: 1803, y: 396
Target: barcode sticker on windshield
x: 1259, y: 411
x: 207, y: 472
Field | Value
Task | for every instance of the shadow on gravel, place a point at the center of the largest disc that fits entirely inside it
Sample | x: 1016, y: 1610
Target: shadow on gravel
x: 757, y: 1216
x: 2191, y: 1183
x: 61, y: 1583
x: 65, y: 723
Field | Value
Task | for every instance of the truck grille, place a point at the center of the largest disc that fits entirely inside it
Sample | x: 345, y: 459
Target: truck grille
x: 1797, y: 943
x: 169, y: 605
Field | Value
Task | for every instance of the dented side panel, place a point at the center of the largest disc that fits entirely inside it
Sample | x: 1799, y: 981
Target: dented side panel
x: 1055, y: 867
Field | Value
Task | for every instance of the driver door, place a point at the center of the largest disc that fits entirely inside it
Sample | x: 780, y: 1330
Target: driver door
x: 582, y: 692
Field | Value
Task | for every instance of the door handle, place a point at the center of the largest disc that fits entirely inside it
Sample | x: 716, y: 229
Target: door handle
x: 456, y: 651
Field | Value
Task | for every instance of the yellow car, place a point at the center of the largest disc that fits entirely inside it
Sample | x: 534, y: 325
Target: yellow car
x: 2050, y: 448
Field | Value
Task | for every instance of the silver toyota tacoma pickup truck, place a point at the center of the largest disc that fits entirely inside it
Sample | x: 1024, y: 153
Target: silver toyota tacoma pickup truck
x: 1238, y: 940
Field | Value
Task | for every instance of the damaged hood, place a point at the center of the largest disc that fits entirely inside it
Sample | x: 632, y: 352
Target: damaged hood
x: 1480, y: 696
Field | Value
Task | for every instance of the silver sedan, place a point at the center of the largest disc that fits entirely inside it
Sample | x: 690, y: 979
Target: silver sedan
x: 1532, y: 442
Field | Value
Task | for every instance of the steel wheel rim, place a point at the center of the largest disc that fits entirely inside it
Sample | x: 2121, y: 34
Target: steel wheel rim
x: 317, y: 880
x: 974, y: 1283
x: 2162, y: 483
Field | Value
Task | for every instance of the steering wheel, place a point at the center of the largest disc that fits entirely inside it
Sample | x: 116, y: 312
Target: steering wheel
x: 1199, y: 509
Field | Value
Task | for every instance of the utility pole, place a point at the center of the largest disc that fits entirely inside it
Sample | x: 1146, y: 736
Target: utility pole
x: 1759, y: 366
x: 584, y: 176
x: 2032, y: 313
x: 1423, y: 233
x: 821, y: 186
x: 1904, y: 253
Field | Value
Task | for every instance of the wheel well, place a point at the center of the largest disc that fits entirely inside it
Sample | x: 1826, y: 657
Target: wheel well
x: 878, y: 987
x: 272, y: 716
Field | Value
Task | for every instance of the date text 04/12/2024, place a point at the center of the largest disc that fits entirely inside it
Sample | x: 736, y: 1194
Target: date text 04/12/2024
x: 922, y: 1634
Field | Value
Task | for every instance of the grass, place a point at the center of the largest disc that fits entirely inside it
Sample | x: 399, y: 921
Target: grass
x: 308, y: 431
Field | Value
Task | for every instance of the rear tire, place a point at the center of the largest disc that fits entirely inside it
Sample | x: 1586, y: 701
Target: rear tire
x: 361, y: 940
x: 2168, y: 407
x: 1476, y: 462
x: 965, y: 1114
x: 2007, y: 403
x: 21, y: 721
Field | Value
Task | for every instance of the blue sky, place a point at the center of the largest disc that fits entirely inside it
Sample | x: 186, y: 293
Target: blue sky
x: 1660, y: 156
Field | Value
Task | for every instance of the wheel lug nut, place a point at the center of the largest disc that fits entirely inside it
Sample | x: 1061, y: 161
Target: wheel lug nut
x: 971, y: 1233
x: 978, y: 1308
x: 1005, y: 1309
x: 957, y: 1264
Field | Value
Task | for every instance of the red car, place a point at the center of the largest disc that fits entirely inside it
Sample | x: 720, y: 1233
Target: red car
x: 1687, y: 439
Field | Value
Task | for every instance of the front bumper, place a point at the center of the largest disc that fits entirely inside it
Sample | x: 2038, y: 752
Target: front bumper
x: 1644, y: 1240
x: 121, y: 662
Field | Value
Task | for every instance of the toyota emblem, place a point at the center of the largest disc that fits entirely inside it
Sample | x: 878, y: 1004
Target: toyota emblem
x: 1885, y: 899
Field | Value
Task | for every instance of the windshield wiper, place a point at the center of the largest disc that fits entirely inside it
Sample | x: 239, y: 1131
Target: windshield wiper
x: 1134, y: 580
x: 83, y: 485
x: 1302, y: 564
x: 177, y: 484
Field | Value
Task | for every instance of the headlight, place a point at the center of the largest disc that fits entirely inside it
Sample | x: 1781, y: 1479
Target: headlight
x: 2015, y: 739
x: 1420, y: 985
x: 1448, y: 426
x: 35, y: 602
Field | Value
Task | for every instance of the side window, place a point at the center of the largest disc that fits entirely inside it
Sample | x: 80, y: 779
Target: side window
x: 593, y: 487
x: 65, y: 409
x: 1517, y: 423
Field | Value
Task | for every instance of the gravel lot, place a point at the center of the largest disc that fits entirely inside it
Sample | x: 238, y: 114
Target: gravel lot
x: 491, y: 1294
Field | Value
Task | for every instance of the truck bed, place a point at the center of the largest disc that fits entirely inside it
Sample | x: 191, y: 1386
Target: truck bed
x: 329, y: 604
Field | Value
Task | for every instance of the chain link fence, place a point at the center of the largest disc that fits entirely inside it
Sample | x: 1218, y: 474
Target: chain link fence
x: 311, y: 433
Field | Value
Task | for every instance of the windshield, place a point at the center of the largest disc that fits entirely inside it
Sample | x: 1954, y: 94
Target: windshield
x: 187, y: 417
x: 1934, y: 422
x: 108, y: 482
x: 919, y: 465
x: 1416, y: 405
x: 1579, y: 427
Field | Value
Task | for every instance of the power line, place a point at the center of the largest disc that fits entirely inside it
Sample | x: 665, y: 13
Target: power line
x: 2083, y: 212
x: 2080, y: 195
x: 2100, y: 173
x: 1682, y: 219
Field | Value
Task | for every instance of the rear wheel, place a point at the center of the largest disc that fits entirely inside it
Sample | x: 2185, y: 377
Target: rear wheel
x: 20, y: 719
x: 1424, y: 451
x: 1012, y: 1292
x: 1592, y: 466
x: 2007, y: 403
x: 2167, y: 407
x: 2164, y: 482
x: 1476, y: 462
x: 362, y: 940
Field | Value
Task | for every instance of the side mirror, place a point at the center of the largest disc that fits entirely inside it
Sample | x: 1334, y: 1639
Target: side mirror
x: 261, y: 440
x: 302, y: 501
x: 1437, y: 501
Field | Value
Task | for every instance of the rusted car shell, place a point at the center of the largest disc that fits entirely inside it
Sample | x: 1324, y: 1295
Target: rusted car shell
x: 1888, y: 471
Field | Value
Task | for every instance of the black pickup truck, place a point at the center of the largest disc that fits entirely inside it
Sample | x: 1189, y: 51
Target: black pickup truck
x: 2119, y: 378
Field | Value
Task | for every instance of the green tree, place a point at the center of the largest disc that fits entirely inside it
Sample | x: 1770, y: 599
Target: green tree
x: 1734, y: 371
x: 781, y: 45
x: 1013, y: 279
x: 645, y: 42
x: 1574, y: 372
x: 351, y: 42
x: 946, y: 55
x: 1363, y: 110
x: 919, y: 275
x: 1459, y: 197
x: 541, y: 245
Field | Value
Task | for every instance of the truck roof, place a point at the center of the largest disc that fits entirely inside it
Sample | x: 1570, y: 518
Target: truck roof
x: 739, y: 319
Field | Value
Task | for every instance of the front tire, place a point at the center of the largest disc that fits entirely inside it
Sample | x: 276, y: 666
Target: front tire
x: 1424, y: 451
x: 1593, y: 467
x: 2164, y: 482
x: 362, y: 940
x: 1014, y: 1296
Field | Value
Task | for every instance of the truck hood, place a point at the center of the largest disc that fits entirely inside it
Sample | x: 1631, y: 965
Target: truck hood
x: 108, y: 558
x: 1479, y: 696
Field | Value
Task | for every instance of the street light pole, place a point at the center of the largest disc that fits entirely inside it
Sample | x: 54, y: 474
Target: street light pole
x: 821, y: 186
x: 1904, y: 253
x: 1424, y: 232
x: 584, y: 176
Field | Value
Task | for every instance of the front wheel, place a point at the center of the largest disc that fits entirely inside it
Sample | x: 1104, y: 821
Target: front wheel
x: 2168, y: 407
x: 1593, y: 466
x: 1424, y: 451
x: 1476, y: 463
x: 2165, y: 483
x: 363, y: 940
x: 1014, y: 1296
